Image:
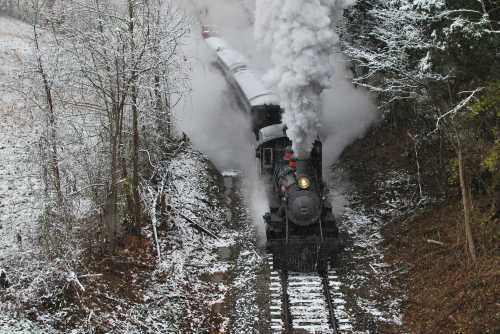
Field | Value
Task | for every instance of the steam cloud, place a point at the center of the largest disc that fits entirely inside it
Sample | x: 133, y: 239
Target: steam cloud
x: 347, y: 112
x: 301, y: 38
x: 211, y: 115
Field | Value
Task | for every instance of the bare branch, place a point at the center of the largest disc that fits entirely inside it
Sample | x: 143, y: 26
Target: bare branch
x: 462, y: 104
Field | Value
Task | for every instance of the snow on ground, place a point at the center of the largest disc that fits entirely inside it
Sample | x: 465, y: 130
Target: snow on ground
x: 183, y: 291
x: 10, y: 325
x: 231, y: 264
x: 248, y: 311
x: 18, y: 176
x: 193, y: 289
x: 201, y: 280
x: 18, y: 179
x: 373, y: 292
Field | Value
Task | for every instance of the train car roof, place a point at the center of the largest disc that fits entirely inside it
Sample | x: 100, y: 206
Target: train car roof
x: 271, y: 132
x: 231, y: 58
x: 254, y: 89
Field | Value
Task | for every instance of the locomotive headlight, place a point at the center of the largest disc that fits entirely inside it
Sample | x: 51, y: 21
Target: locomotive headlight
x: 303, y: 183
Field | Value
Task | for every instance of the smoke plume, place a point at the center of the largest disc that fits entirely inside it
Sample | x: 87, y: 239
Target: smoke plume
x: 346, y: 114
x: 301, y: 39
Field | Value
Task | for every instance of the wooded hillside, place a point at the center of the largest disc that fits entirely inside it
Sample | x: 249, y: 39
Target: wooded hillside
x: 434, y: 66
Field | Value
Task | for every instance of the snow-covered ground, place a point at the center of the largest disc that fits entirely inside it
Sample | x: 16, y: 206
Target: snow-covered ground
x: 19, y: 183
x: 203, y: 284
x: 373, y: 290
x: 182, y: 293
x: 18, y: 179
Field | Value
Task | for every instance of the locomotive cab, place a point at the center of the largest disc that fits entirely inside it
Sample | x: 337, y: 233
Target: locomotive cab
x: 272, y: 141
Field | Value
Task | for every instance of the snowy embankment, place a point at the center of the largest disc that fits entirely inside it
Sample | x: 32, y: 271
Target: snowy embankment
x: 374, y: 290
x: 178, y: 296
x: 18, y: 178
x: 200, y: 275
x: 189, y: 291
x: 212, y: 281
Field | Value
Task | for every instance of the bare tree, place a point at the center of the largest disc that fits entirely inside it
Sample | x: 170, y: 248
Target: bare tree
x: 49, y: 108
x: 105, y: 87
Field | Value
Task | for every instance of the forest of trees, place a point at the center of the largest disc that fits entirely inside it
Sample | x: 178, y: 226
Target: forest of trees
x: 434, y: 66
x: 102, y: 83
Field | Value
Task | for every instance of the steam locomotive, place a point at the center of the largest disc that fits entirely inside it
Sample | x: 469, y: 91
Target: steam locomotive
x: 300, y: 226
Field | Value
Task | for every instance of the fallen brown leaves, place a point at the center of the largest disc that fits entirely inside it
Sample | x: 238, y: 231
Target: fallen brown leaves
x: 447, y: 293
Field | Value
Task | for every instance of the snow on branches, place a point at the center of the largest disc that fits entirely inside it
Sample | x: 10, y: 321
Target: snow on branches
x: 410, y: 49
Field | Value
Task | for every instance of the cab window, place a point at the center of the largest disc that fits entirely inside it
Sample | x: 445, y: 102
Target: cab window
x: 268, y: 158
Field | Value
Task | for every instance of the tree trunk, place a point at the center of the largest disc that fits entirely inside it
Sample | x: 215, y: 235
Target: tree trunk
x: 135, y: 158
x: 54, y: 159
x: 135, y: 123
x: 467, y: 202
x: 158, y: 102
x: 168, y: 114
x: 114, y: 165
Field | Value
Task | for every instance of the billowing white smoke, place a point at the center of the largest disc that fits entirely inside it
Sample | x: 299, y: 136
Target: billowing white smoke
x: 347, y: 112
x: 301, y: 38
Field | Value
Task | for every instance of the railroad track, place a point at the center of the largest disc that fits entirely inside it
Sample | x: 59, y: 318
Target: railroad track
x: 307, y: 302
